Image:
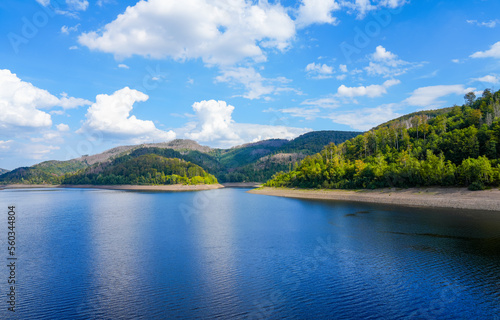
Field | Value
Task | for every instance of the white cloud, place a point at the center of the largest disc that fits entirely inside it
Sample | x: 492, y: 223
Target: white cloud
x: 73, y: 48
x: 362, y: 7
x: 365, y: 119
x: 316, y: 11
x: 62, y: 127
x: 329, y: 102
x: 123, y: 66
x: 371, y: 91
x: 255, y: 84
x: 488, y: 79
x: 385, y: 63
x: 70, y: 103
x: 455, y: 60
x: 493, y: 52
x: 67, y: 30
x: 219, y: 32
x: 6, y: 145
x: 43, y: 2
x: 306, y: 113
x: 20, y: 103
x: 427, y: 97
x: 35, y: 151
x: 215, y: 124
x: 319, y: 71
x: 343, y: 68
x: 77, y: 5
x: 110, y: 116
x: 488, y: 24
x: 100, y: 3
x: 382, y: 54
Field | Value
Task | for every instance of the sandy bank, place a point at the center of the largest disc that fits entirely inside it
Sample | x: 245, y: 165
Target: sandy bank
x: 174, y: 187
x: 457, y: 198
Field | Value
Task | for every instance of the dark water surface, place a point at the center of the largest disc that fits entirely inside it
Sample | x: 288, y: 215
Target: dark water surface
x: 226, y: 254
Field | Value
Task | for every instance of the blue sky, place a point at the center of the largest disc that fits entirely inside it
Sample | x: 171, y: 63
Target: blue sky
x: 81, y: 76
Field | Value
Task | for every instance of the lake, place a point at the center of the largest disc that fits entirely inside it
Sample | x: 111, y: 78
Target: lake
x: 227, y: 254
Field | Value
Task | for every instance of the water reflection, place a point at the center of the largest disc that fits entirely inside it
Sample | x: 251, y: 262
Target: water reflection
x: 110, y: 254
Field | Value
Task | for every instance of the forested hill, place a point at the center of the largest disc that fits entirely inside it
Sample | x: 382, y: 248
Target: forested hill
x: 2, y: 171
x: 142, y: 169
x: 251, y: 162
x: 457, y: 146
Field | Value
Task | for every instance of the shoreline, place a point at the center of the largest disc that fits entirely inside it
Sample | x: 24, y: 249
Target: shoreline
x: 451, y: 198
x: 242, y: 184
x: 172, y: 187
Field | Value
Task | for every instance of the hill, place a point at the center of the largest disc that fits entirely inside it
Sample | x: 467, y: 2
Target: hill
x: 250, y: 162
x: 140, y: 169
x: 457, y: 146
x: 2, y: 171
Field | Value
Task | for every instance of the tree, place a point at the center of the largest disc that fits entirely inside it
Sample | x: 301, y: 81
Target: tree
x: 470, y: 98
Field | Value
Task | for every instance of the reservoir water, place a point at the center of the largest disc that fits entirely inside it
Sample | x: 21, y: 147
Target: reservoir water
x: 227, y: 254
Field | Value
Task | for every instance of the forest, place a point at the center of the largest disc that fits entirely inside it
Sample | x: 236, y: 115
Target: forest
x: 150, y: 169
x: 136, y: 168
x: 457, y: 146
x: 253, y: 162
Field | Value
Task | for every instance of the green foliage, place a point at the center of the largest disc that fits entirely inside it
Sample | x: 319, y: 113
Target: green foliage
x: 457, y: 146
x: 151, y: 169
x: 253, y: 162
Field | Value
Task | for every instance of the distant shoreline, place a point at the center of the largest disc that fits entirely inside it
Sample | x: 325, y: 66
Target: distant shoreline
x: 242, y: 184
x: 454, y: 198
x: 172, y: 187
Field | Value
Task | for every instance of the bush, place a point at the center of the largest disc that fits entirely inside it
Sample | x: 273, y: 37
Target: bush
x: 476, y: 186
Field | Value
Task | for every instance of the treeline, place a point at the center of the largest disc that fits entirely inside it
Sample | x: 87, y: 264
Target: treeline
x: 458, y: 146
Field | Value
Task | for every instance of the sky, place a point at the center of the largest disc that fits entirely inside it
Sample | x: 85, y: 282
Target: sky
x: 80, y: 76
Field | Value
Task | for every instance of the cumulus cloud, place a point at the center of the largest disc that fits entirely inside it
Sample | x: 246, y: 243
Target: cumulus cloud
x: 219, y: 32
x: 316, y: 12
x: 123, y: 66
x: 110, y: 116
x: 214, y: 124
x: 493, y: 52
x: 62, y: 127
x: 20, y: 103
x: 319, y: 71
x: 387, y: 64
x: 428, y: 97
x: 371, y: 91
x: 255, y: 84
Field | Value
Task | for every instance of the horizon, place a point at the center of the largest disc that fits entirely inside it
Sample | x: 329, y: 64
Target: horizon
x: 81, y: 77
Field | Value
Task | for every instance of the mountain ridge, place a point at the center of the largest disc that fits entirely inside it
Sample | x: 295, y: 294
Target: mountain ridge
x: 236, y: 164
